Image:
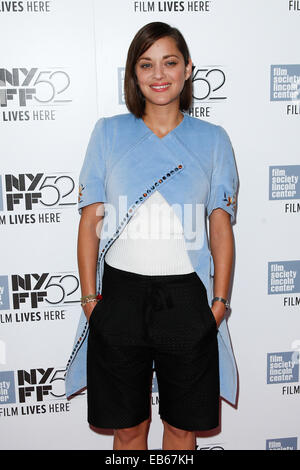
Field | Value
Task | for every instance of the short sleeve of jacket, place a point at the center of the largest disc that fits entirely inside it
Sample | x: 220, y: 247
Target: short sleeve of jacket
x: 224, y: 182
x: 93, y: 170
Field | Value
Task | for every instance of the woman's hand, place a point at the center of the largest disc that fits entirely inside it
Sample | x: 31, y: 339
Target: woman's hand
x: 88, y: 308
x: 218, y: 309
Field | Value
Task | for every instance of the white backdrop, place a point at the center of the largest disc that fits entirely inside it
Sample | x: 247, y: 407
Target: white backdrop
x: 61, y: 68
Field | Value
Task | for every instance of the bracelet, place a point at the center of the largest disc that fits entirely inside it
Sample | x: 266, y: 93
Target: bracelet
x: 224, y: 301
x: 87, y: 301
x: 87, y: 298
x: 90, y: 298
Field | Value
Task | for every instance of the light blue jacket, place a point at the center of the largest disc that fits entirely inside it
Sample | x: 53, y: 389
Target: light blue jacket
x: 193, y: 167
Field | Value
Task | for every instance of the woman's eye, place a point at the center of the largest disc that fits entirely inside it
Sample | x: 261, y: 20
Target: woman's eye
x: 148, y: 65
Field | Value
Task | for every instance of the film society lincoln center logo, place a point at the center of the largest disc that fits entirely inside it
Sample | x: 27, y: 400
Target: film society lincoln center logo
x: 283, y: 443
x: 283, y: 369
x: 284, y: 279
x: 284, y: 185
x: 285, y: 86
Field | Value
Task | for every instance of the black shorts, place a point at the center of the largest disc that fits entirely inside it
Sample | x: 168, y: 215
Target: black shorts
x: 141, y: 319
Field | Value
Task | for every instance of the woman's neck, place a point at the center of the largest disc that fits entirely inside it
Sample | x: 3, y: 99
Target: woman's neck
x: 161, y: 119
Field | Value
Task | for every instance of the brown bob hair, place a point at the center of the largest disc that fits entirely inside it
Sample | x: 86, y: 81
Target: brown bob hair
x: 144, y: 39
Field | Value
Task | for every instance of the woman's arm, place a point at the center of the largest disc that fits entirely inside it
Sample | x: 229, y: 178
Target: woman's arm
x: 222, y: 247
x: 87, y: 250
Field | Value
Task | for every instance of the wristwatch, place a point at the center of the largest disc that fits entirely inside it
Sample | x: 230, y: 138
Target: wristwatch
x: 225, y: 301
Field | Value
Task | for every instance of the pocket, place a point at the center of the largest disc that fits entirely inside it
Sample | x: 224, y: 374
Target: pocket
x: 100, y: 311
x: 93, y: 313
x: 202, y: 294
x: 213, y: 317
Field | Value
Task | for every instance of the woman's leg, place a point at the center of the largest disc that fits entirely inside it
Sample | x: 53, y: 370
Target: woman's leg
x: 120, y: 361
x: 175, y: 439
x: 133, y: 438
x: 186, y: 362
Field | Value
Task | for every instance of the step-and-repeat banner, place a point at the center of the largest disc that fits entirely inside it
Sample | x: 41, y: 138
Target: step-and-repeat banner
x: 61, y: 68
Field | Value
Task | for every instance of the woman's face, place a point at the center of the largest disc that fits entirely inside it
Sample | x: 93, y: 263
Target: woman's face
x: 161, y: 72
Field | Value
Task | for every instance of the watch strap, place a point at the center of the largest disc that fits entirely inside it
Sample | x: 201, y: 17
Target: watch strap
x: 221, y: 299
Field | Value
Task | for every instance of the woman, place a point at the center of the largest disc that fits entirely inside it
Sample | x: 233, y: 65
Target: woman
x: 152, y: 297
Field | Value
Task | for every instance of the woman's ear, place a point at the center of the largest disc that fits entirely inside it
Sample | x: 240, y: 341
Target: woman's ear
x: 188, y: 69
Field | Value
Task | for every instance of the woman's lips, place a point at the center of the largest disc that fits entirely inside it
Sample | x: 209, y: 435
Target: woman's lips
x: 159, y: 87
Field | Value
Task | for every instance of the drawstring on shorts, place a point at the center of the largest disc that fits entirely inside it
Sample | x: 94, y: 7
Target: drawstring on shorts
x: 157, y: 300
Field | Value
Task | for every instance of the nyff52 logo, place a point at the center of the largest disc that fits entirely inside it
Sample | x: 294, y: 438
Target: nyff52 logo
x: 21, y: 86
x: 32, y: 385
x: 208, y: 83
x: 34, y: 289
x: 27, y: 191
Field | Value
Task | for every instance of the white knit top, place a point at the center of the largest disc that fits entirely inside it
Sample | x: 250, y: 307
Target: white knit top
x: 152, y: 243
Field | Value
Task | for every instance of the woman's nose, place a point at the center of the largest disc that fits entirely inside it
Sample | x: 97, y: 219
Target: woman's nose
x: 158, y: 72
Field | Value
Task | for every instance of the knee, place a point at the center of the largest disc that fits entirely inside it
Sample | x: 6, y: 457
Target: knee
x: 127, y: 435
x: 176, y: 432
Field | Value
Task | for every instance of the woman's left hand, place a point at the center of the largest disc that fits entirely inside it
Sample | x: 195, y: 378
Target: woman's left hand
x: 218, y: 309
